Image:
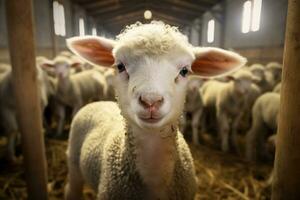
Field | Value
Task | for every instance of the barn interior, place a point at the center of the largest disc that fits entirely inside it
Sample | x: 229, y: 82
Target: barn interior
x: 232, y: 140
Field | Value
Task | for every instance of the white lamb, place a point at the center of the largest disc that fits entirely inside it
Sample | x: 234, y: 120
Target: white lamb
x: 193, y: 108
x: 264, y: 115
x: 225, y: 101
x: 75, y: 90
x: 133, y: 149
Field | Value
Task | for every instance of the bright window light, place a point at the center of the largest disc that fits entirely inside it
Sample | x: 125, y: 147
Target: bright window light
x: 246, y: 17
x: 256, y: 12
x: 94, y: 31
x: 210, y: 31
x: 81, y: 27
x: 59, y: 19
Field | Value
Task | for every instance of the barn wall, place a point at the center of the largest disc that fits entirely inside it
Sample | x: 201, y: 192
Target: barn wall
x: 262, y: 46
x: 47, y: 42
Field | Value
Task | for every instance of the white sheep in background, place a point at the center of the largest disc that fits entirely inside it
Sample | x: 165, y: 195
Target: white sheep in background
x: 193, y: 107
x: 258, y: 70
x: 8, y: 117
x: 226, y: 100
x: 264, y: 115
x: 273, y: 74
x: 133, y: 149
x: 246, y: 119
x: 4, y: 68
x: 75, y: 90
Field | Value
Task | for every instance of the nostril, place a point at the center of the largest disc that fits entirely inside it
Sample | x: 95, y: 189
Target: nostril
x: 144, y: 102
x: 152, y: 101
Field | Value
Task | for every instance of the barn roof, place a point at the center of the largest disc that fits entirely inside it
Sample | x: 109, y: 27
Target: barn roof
x: 115, y: 14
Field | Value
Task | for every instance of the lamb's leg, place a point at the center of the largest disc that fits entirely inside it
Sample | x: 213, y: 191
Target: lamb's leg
x: 61, y: 121
x: 11, y: 145
x: 195, y: 126
x: 223, y: 131
x: 74, y: 187
x: 254, y: 140
x: 234, y: 135
x: 10, y: 130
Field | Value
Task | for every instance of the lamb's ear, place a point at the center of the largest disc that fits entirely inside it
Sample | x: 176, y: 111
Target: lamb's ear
x: 212, y: 62
x: 95, y: 50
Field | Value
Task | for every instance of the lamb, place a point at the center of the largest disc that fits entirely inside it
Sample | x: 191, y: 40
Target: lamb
x: 273, y: 74
x: 4, y: 68
x: 246, y: 119
x: 193, y: 107
x: 133, y: 149
x: 8, y: 109
x: 258, y: 70
x: 75, y: 90
x: 264, y: 115
x: 225, y: 101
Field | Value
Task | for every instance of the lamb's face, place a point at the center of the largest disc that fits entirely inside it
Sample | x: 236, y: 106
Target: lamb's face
x: 151, y: 88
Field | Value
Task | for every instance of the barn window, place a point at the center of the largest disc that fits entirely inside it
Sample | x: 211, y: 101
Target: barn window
x: 81, y: 27
x: 251, y: 16
x: 59, y: 19
x: 94, y: 31
x: 210, y: 31
x: 246, y: 17
x: 256, y: 12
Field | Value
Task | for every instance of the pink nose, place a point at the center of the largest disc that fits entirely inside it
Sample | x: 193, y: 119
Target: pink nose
x: 151, y: 100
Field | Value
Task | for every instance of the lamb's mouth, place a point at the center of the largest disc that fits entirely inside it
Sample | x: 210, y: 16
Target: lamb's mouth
x: 150, y: 120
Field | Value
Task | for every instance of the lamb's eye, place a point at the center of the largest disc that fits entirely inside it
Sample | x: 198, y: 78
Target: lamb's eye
x: 184, y: 71
x: 121, y: 67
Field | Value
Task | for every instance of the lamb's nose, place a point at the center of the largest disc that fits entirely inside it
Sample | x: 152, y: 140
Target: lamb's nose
x: 151, y: 100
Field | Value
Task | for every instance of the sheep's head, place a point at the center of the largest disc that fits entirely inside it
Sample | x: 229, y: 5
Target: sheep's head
x: 152, y: 62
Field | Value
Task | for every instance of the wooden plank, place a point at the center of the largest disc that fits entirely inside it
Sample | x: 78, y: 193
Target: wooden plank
x: 22, y: 54
x: 286, y: 182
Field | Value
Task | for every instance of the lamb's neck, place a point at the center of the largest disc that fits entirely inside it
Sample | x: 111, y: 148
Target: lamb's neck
x: 155, y: 158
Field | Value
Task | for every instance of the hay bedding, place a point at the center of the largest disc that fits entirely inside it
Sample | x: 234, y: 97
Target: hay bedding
x: 220, y: 176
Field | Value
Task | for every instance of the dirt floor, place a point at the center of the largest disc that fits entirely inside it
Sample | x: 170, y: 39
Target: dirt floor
x: 220, y: 176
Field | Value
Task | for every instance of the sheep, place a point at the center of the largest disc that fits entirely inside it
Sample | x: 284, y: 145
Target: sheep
x: 4, y: 68
x: 264, y: 115
x: 75, y: 90
x: 225, y: 100
x: 133, y: 149
x: 273, y: 74
x: 193, y: 107
x: 258, y: 70
x: 8, y: 107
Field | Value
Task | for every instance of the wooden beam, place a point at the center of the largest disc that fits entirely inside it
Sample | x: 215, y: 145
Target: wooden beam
x: 286, y: 182
x: 171, y: 18
x: 116, y: 10
x: 21, y: 42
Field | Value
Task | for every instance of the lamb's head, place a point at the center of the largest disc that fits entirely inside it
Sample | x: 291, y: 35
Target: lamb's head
x: 258, y: 71
x: 152, y: 62
x: 242, y: 81
x: 60, y: 66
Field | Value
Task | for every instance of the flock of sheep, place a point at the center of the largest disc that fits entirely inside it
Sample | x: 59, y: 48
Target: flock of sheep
x: 64, y: 82
x: 132, y: 148
x: 245, y: 103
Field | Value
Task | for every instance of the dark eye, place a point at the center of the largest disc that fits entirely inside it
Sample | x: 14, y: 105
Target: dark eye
x: 121, y: 67
x: 184, y: 71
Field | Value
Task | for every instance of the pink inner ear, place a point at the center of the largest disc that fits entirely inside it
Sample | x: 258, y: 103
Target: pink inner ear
x: 93, y: 51
x: 213, y: 65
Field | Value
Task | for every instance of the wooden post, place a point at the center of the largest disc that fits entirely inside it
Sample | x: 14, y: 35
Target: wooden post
x: 22, y: 54
x: 286, y: 183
